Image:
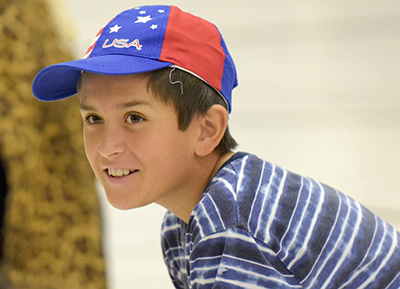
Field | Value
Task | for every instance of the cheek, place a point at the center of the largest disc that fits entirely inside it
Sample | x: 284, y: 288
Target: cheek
x: 90, y: 148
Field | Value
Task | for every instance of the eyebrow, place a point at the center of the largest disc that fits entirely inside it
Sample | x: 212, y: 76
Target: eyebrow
x: 119, y: 106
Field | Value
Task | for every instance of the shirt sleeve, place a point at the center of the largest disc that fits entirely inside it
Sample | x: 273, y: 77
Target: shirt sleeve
x: 173, y: 250
x: 234, y: 259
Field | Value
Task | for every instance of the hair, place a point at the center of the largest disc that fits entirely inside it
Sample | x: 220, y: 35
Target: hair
x: 189, y: 95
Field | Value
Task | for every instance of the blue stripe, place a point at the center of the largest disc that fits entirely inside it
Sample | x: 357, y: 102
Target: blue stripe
x: 260, y: 226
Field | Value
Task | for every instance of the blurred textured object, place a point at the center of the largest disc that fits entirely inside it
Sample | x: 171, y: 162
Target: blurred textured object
x: 52, y: 222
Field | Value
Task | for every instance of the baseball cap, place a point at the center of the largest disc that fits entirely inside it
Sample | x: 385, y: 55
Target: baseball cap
x: 143, y: 39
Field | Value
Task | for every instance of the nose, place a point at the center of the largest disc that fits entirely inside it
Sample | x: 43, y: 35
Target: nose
x: 112, y: 142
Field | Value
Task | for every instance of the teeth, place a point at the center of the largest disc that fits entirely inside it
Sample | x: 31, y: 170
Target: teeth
x: 118, y: 172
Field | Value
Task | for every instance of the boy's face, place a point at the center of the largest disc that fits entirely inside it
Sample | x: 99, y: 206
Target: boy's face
x: 133, y: 143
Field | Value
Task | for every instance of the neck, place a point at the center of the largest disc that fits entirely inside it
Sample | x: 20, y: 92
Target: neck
x: 220, y: 161
x: 185, y: 201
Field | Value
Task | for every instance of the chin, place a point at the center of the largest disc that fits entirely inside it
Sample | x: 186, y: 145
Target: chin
x: 122, y: 203
x: 122, y: 207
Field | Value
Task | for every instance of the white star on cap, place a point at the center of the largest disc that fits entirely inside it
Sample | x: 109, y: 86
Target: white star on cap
x: 161, y: 11
x: 115, y: 28
x: 142, y: 12
x: 143, y: 19
x: 154, y: 26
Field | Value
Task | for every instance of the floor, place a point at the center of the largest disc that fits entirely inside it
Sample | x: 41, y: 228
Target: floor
x: 318, y: 94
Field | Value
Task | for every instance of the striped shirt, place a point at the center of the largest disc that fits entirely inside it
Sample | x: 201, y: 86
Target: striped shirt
x: 258, y: 225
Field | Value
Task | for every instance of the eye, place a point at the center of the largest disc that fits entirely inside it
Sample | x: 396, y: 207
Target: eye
x: 94, y: 119
x: 134, y: 118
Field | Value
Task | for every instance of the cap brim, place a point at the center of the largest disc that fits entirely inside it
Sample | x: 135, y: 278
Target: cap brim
x: 60, y: 80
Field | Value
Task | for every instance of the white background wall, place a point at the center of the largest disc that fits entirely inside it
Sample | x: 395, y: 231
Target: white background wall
x: 318, y: 94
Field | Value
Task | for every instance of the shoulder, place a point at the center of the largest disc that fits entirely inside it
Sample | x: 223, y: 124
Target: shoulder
x: 171, y: 231
x: 229, y: 199
x: 264, y: 199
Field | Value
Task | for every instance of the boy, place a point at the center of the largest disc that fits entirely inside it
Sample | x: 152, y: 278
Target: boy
x: 155, y: 90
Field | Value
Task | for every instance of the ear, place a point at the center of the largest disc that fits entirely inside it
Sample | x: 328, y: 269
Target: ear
x: 212, y: 129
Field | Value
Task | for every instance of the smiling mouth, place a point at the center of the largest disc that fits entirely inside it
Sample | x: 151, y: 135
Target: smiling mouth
x: 118, y: 173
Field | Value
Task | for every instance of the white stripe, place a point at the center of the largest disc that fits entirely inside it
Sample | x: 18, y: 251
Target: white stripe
x: 208, y: 217
x: 196, y: 218
x: 241, y: 284
x: 229, y: 234
x: 394, y: 279
x: 251, y: 262
x: 95, y: 39
x: 267, y: 250
x: 295, y: 238
x: 229, y: 170
x: 349, y: 246
x: 258, y: 275
x: 291, y: 219
x: 172, y: 249
x: 256, y: 195
x: 272, y: 218
x: 171, y: 228
x: 250, y: 286
x: 218, y: 213
x: 265, y: 197
x: 310, y: 231
x: 228, y: 186
x: 229, y: 257
x: 236, y: 236
x: 241, y: 270
x: 388, y: 256
x: 339, y: 238
x: 326, y: 243
x: 204, y: 258
x: 205, y: 268
x: 241, y: 173
x: 91, y: 50
x: 175, y: 257
x: 377, y: 252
